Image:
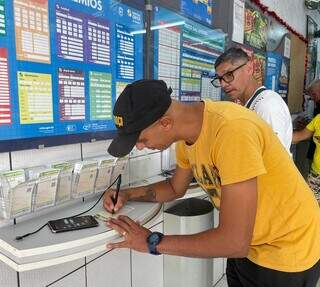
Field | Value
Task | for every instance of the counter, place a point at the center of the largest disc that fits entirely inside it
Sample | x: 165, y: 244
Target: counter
x: 45, y: 248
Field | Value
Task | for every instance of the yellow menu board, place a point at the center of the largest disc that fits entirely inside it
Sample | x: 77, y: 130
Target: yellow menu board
x: 35, y: 98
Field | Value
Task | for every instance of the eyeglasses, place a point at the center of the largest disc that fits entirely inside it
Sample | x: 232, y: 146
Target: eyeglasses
x: 227, y: 77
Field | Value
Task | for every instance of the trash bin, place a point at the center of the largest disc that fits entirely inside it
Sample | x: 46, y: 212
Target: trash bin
x: 190, y: 216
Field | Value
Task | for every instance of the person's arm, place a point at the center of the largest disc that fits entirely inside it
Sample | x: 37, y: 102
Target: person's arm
x: 301, y: 135
x: 162, y: 191
x: 230, y: 239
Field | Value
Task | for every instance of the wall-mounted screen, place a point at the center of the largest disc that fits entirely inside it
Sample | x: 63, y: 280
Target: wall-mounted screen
x: 62, y: 64
x: 185, y: 52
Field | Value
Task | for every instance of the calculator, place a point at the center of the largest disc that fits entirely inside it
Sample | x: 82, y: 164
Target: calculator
x: 72, y: 223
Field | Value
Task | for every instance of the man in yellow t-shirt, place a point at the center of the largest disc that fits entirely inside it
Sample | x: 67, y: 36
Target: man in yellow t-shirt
x: 312, y: 130
x: 269, y: 224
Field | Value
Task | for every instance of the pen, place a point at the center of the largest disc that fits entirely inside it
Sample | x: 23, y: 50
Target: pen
x: 115, y: 198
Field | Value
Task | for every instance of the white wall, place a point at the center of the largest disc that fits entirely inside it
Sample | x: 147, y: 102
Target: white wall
x: 293, y: 12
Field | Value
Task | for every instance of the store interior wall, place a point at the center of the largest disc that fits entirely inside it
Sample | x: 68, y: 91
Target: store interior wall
x: 293, y: 12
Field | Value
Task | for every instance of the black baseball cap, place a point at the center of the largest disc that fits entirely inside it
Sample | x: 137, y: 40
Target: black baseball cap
x: 139, y: 105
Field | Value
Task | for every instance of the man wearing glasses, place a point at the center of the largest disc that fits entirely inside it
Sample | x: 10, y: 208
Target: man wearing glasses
x: 234, y: 74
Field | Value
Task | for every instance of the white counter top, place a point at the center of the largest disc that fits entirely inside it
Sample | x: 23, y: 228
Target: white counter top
x: 45, y: 248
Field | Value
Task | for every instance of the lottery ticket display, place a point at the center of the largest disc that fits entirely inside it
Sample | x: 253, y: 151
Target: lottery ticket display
x: 62, y: 66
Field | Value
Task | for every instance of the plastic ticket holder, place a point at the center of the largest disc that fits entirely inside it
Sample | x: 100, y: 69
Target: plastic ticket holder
x: 46, y: 188
x: 84, y: 178
x: 189, y: 216
x: 17, y: 200
x: 119, y: 167
x: 64, y: 181
x: 2, y: 199
x: 104, y: 173
x: 13, y: 177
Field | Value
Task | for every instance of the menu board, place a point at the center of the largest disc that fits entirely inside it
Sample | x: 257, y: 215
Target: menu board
x: 5, y: 107
x: 32, y: 30
x: 69, y: 34
x: 185, y: 53
x: 71, y: 94
x: 62, y: 65
x: 125, y: 53
x: 101, y: 96
x: 82, y: 37
x: 35, y: 98
x: 2, y: 18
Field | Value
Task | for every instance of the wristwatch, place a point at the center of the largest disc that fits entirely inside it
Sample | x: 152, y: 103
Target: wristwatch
x: 153, y: 240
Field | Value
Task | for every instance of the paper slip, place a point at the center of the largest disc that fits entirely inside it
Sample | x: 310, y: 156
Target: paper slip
x: 85, y: 166
x: 63, y: 166
x: 46, y: 188
x: 103, y: 177
x: 103, y: 162
x: 34, y: 172
x: 21, y: 198
x: 14, y: 177
x: 65, y: 180
x: 64, y: 188
x: 85, y: 176
x: 105, y: 215
x: 119, y: 167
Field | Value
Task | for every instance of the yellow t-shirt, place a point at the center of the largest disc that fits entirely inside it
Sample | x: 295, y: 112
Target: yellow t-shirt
x: 236, y: 145
x: 314, y: 126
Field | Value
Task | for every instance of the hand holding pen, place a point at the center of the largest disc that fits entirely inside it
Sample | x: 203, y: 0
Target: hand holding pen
x: 115, y: 197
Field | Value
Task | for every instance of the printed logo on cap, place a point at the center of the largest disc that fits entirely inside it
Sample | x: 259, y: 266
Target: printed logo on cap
x: 118, y: 121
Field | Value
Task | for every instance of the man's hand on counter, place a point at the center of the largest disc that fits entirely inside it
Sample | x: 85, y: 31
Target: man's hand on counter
x: 108, y: 202
x: 135, y: 235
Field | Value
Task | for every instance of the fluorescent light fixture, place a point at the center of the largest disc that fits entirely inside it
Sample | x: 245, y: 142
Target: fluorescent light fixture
x: 158, y: 27
x: 138, y: 32
x: 168, y: 25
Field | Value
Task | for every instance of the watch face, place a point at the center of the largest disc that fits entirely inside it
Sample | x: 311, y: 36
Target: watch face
x: 154, y: 238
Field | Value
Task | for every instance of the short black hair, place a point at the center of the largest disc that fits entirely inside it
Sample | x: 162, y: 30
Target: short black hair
x: 232, y: 55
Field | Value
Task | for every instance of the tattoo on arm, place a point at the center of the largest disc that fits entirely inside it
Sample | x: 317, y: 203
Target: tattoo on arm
x: 149, y: 194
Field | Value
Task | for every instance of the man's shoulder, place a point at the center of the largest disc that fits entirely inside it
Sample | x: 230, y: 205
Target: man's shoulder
x: 269, y: 99
x: 316, y: 119
x: 270, y: 96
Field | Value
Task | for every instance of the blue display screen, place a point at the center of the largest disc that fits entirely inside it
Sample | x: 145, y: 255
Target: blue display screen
x: 198, y: 9
x: 63, y: 63
x: 185, y: 52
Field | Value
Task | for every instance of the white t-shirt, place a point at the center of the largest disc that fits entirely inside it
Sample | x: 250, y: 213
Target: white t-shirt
x: 271, y: 107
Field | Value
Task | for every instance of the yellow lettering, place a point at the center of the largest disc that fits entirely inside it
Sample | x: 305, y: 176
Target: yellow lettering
x: 118, y: 121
